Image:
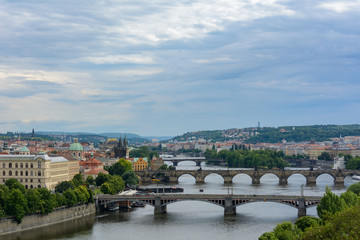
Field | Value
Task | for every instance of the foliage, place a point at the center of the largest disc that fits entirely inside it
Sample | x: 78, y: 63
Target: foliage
x: 15, y: 204
x: 130, y: 178
x: 33, y: 199
x: 120, y: 167
x: 143, y: 152
x: 350, y: 198
x: 303, y: 133
x: 78, y: 180
x: 330, y: 204
x: 353, y: 163
x: 324, y: 156
x: 283, y: 231
x: 47, y: 200
x: 70, y: 196
x: 107, y: 188
x: 248, y: 159
x: 355, y: 188
x: 101, y: 178
x: 306, y: 222
x: 14, y: 184
x: 343, y: 225
x: 90, y: 180
x: 163, y: 167
x: 61, y: 187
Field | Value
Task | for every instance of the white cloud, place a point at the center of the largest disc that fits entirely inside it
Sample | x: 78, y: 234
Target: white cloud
x: 135, y: 72
x: 341, y: 6
x: 113, y: 59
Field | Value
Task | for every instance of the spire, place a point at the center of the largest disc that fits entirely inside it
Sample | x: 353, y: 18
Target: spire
x: 120, y: 142
x: 125, y: 142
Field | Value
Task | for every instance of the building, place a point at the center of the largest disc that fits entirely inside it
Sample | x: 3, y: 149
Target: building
x: 156, y: 163
x: 76, y: 150
x: 35, y: 171
x: 139, y: 164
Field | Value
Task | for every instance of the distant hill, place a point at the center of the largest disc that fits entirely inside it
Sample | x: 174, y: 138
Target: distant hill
x: 274, y: 134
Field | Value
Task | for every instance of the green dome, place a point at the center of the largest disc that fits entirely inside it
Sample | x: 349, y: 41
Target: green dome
x: 24, y: 149
x: 76, y: 147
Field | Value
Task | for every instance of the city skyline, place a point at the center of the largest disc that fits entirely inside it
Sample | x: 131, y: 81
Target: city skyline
x: 166, y: 68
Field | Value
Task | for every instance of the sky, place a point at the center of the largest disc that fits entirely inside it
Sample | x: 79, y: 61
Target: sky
x: 163, y: 68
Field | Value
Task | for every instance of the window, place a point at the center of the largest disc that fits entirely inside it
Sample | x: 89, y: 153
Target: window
x: 39, y: 180
x: 31, y: 180
x: 26, y: 173
x: 31, y: 186
x: 21, y: 165
x: 16, y: 165
x: 39, y: 164
x: 32, y: 165
x: 20, y: 180
x: 10, y: 173
x: 26, y: 180
x: 26, y: 186
x: 39, y: 173
x: 16, y: 173
x: 4, y: 166
x: 26, y: 165
x: 4, y: 174
x: 39, y: 186
x: 10, y: 165
x: 31, y: 173
x: 21, y: 173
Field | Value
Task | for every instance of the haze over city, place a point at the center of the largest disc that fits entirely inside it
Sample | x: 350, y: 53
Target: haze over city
x: 165, y: 68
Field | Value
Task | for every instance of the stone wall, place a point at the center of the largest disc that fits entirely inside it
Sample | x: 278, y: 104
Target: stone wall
x: 9, y: 225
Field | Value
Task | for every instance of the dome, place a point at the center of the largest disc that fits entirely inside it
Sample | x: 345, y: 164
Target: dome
x: 24, y: 149
x: 76, y: 146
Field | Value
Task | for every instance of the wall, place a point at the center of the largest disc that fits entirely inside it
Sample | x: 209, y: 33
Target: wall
x: 8, y: 225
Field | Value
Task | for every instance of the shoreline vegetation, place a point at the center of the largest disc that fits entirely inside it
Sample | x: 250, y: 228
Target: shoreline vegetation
x: 339, y: 218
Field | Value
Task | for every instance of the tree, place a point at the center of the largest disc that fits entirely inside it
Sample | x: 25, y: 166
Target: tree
x: 61, y: 187
x: 330, y: 204
x: 15, y: 184
x: 78, y: 180
x: 120, y: 167
x: 130, y: 178
x: 15, y: 204
x: 355, y: 188
x: 350, y: 198
x: 70, y: 196
x: 324, y: 156
x: 90, y: 180
x: 283, y: 231
x: 163, y: 167
x: 107, y: 188
x: 33, y: 199
x: 47, y: 200
x: 343, y: 225
x: 101, y: 178
x: 306, y: 222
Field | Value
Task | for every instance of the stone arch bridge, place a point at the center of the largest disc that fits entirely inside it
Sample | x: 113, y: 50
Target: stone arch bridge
x: 255, y: 175
x: 228, y: 202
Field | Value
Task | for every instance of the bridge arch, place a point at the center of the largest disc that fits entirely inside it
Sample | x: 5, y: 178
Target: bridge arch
x: 296, y: 177
x: 186, y: 175
x: 269, y: 177
x: 216, y: 175
x: 323, y: 177
x: 242, y: 178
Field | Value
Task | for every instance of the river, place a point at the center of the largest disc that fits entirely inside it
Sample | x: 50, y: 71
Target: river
x: 191, y: 219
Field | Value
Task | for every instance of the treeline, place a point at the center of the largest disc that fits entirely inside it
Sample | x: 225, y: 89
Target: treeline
x: 304, y: 133
x: 17, y: 201
x: 211, y: 135
x: 244, y: 158
x: 338, y: 219
x: 143, y: 152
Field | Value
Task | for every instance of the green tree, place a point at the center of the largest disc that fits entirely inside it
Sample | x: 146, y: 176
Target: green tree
x: 350, y: 198
x: 120, y: 167
x: 90, y: 180
x: 60, y: 200
x: 33, y: 199
x: 107, y: 188
x: 330, y: 204
x: 163, y: 167
x: 15, y: 204
x: 287, y: 231
x: 47, y: 200
x: 78, y: 180
x: 268, y: 236
x: 117, y: 183
x: 355, y: 188
x: 324, y: 156
x: 3, y: 193
x: 70, y: 196
x: 130, y: 178
x: 343, y: 225
x: 15, y: 184
x: 306, y: 222
x: 101, y: 178
x: 61, y: 187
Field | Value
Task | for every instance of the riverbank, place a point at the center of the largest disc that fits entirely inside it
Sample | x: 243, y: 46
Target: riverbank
x: 9, y: 225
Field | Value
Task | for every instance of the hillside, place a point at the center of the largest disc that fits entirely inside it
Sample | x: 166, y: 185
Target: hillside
x: 274, y: 134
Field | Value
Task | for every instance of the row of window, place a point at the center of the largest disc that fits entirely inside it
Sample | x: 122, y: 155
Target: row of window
x: 16, y: 165
x: 21, y: 173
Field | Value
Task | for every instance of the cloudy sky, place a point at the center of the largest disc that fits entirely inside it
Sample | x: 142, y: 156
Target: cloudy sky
x: 169, y: 67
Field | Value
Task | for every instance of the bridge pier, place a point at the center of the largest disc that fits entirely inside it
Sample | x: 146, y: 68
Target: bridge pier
x: 173, y: 180
x: 229, y: 208
x: 339, y: 181
x: 158, y: 208
x: 175, y: 164
x: 200, y: 180
x: 255, y: 180
x: 283, y: 181
x: 311, y: 181
x: 227, y: 180
x: 301, y: 208
x: 198, y: 164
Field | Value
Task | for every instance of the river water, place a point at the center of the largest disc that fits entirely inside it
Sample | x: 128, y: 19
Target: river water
x: 191, y: 219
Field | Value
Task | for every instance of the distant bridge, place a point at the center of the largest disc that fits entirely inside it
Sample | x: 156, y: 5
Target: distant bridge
x: 228, y: 175
x: 176, y: 160
x: 228, y: 202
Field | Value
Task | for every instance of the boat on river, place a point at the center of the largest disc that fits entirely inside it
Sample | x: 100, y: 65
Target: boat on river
x: 355, y: 177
